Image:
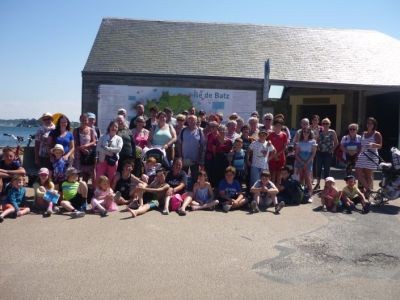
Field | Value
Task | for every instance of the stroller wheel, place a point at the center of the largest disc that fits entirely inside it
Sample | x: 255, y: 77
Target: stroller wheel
x: 376, y: 198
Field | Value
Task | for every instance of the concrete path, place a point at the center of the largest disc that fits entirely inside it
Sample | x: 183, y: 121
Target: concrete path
x: 299, y: 254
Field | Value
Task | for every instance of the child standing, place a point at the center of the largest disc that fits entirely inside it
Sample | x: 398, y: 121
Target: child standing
x: 74, y: 194
x: 264, y: 194
x: 42, y: 186
x: 59, y: 165
x: 330, y: 195
x: 104, y: 198
x: 237, y: 159
x: 15, y: 199
x: 203, y: 195
x: 259, y: 152
x: 351, y: 195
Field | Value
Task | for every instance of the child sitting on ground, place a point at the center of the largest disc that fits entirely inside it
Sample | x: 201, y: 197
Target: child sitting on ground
x: 230, y: 191
x: 42, y: 187
x: 351, y: 195
x: 203, y: 195
x: 290, y: 190
x: 150, y: 168
x: 14, y: 203
x: 330, y: 195
x: 104, y: 198
x: 74, y: 194
x: 59, y: 165
x: 264, y: 194
x: 158, y: 189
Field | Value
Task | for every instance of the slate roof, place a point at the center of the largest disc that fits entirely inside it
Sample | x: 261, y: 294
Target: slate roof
x: 339, y: 56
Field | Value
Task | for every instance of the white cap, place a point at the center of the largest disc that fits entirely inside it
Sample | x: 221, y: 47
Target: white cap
x: 331, y: 179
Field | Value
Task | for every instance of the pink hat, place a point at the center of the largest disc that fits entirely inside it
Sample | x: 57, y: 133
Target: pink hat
x: 44, y: 171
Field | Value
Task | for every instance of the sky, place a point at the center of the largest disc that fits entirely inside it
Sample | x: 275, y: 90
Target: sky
x: 44, y: 45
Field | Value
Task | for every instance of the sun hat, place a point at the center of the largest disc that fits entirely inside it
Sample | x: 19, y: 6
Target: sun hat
x: 91, y: 115
x: 44, y: 171
x: 46, y: 115
x: 57, y: 147
x: 330, y: 179
x: 71, y: 171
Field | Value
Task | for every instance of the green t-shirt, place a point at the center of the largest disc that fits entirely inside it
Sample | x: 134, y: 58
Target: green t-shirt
x: 69, y: 189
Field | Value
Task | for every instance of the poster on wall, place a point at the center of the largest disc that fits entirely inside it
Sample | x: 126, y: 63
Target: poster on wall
x: 113, y: 97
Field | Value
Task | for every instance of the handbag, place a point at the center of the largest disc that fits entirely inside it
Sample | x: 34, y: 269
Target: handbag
x: 111, y: 160
x: 89, y: 158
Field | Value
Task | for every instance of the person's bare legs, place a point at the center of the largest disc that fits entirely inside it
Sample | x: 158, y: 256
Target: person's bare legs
x: 239, y: 202
x: 361, y: 177
x: 140, y: 211
x: 166, y: 205
x: 186, y: 202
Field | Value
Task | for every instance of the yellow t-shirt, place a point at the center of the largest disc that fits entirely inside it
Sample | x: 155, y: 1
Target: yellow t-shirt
x: 351, y: 192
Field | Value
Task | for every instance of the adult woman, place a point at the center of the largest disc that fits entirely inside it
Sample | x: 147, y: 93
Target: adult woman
x: 306, y: 148
x: 163, y: 136
x: 180, y: 124
x: 152, y: 121
x: 351, y: 147
x: 139, y: 133
x: 367, y: 160
x: 63, y: 136
x: 279, y: 140
x: 222, y: 147
x: 212, y: 137
x: 108, y: 148
x: 128, y: 150
x: 315, y: 129
x: 85, y: 138
x: 327, y: 142
x: 267, y: 122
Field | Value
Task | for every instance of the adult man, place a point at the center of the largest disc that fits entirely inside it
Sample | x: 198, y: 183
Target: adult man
x: 92, y: 123
x: 42, y: 155
x: 139, y: 112
x: 193, y: 144
x: 170, y: 119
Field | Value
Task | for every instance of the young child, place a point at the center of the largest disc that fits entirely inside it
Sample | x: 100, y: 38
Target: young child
x: 237, y: 159
x: 15, y: 199
x: 203, y: 195
x: 290, y: 190
x: 351, y: 195
x: 42, y: 186
x: 9, y: 166
x: 330, y: 195
x: 290, y: 156
x: 158, y: 189
x: 150, y: 168
x: 125, y: 184
x: 230, y: 191
x: 104, y: 198
x: 74, y: 194
x: 260, y: 152
x: 264, y: 194
x: 59, y: 165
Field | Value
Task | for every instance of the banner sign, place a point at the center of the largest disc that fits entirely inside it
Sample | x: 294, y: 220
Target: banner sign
x: 113, y: 97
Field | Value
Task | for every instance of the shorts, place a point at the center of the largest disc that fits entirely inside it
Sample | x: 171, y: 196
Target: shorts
x: 266, y: 201
x: 276, y: 165
x: 78, y: 202
x: 153, y: 204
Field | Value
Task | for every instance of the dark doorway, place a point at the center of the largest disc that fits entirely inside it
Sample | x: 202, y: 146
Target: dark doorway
x: 385, y: 109
x: 324, y: 111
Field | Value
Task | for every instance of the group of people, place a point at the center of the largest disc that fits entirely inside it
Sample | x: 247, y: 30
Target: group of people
x: 191, y: 160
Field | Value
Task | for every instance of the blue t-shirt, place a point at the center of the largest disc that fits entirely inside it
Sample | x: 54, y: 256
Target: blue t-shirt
x: 15, y: 197
x: 238, y: 160
x: 64, y: 141
x: 231, y: 189
x: 59, y: 170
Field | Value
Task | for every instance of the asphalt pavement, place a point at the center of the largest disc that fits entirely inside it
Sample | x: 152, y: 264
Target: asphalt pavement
x: 299, y: 254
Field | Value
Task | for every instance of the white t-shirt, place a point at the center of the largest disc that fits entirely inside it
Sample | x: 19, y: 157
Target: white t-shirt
x: 261, y: 153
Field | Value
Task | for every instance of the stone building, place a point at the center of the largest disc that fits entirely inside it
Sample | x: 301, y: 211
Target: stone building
x: 346, y: 75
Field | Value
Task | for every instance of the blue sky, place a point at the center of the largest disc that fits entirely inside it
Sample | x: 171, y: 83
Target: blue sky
x: 44, y: 44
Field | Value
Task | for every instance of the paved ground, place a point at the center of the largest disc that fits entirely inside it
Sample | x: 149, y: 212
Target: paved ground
x: 297, y: 254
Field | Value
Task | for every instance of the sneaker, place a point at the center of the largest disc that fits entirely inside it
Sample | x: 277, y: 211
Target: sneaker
x: 47, y: 213
x: 366, y: 208
x: 1, y: 219
x: 77, y: 214
x: 117, y: 196
x: 182, y: 212
x: 165, y: 212
x: 226, y: 207
x: 254, y: 207
x: 348, y: 210
x: 279, y: 206
x: 103, y: 213
x: 310, y: 200
x: 56, y: 209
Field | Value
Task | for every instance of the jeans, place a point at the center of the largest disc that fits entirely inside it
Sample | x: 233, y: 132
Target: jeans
x: 324, y: 160
x: 254, y: 175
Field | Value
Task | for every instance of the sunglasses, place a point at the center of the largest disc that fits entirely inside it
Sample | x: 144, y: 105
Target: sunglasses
x: 268, y: 119
x: 352, y: 129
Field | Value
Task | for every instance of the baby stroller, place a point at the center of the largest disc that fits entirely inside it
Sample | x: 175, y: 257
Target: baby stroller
x: 390, y: 183
x: 159, y: 155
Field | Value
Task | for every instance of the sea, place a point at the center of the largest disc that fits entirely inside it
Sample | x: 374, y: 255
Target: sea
x: 24, y: 132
